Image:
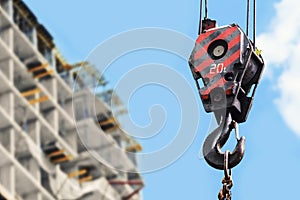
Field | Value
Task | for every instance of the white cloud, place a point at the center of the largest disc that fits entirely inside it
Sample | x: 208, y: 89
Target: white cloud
x: 281, y: 50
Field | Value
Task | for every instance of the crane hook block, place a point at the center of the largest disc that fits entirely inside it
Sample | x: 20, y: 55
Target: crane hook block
x: 229, y: 67
x: 208, y: 24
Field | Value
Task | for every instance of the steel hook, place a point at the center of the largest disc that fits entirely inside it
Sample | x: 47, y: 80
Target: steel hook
x: 216, y: 140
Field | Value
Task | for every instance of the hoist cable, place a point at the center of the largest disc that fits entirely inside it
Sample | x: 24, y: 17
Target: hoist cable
x: 254, y: 22
x: 206, y: 10
x: 200, y: 20
x: 248, y: 17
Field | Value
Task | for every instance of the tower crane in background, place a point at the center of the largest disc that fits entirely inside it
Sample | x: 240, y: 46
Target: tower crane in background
x: 227, y: 67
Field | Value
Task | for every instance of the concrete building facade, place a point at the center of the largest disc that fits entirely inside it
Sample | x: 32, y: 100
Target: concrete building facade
x: 44, y: 119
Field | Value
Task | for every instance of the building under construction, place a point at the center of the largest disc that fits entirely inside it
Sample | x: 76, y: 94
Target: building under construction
x: 42, y: 156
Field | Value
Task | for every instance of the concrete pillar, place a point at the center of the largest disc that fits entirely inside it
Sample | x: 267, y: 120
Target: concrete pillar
x: 10, y: 9
x: 71, y: 138
x: 5, y: 138
x: 10, y: 41
x: 34, y: 38
x: 34, y: 169
x: 37, y: 105
x: 12, y: 141
x: 7, y: 68
x: 51, y: 87
x: 10, y: 70
x: 68, y: 107
x: 34, y: 129
x: 7, y: 103
x: 7, y: 177
x: 53, y: 64
x: 6, y: 34
x: 52, y: 118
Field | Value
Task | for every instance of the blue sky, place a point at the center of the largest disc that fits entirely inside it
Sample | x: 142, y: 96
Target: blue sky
x: 270, y: 169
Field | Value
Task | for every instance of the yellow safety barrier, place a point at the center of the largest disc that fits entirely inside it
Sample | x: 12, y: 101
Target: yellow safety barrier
x: 45, y: 40
x: 39, y: 100
x: 50, y: 72
x: 60, y: 160
x: 61, y: 60
x: 31, y: 92
x: 111, y: 129
x: 107, y: 122
x: 37, y: 68
x: 77, y: 173
x: 80, y: 64
x: 136, y: 147
x: 56, y: 153
x: 85, y: 179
